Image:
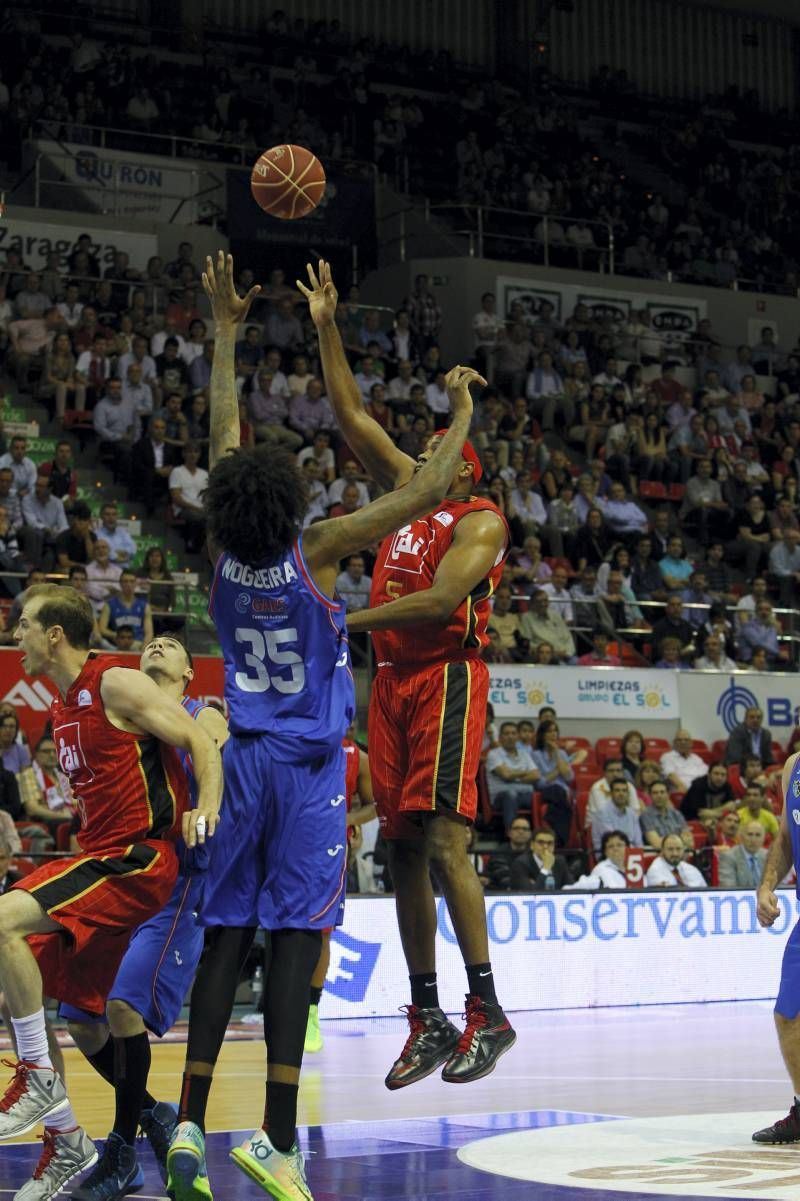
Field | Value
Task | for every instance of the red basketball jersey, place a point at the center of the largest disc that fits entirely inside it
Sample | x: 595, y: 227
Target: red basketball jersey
x: 128, y: 787
x: 407, y: 562
x: 352, y: 755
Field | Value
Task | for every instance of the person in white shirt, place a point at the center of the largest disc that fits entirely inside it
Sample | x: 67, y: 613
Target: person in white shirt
x: 320, y: 450
x: 22, y: 468
x: 400, y: 387
x: 102, y: 576
x: 714, y: 658
x: 670, y: 869
x: 681, y: 765
x: 600, y: 792
x: 70, y: 307
x: 139, y: 395
x: 350, y: 475
x: 187, y: 484
x: 138, y: 354
x: 318, y: 501
x: 610, y: 871
x: 354, y: 585
x: 436, y: 395
x: 560, y: 598
x: 367, y: 376
x: 486, y: 326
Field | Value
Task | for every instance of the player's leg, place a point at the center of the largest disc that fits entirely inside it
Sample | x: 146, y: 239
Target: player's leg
x: 53, y: 1045
x: 229, y: 911
x: 431, y: 1037
x: 211, y: 1006
x: 36, y: 1090
x: 787, y: 1024
x: 441, y: 789
x: 314, y: 1040
x: 305, y: 833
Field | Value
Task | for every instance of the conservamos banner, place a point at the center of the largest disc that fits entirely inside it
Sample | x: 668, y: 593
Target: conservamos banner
x: 574, y: 951
x: 670, y: 316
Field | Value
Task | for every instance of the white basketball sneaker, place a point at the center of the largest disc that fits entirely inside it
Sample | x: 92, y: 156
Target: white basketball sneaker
x: 63, y: 1156
x: 280, y: 1173
x: 30, y: 1097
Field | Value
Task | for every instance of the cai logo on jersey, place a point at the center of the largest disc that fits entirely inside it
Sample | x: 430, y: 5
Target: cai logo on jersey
x: 410, y: 546
x: 71, y: 758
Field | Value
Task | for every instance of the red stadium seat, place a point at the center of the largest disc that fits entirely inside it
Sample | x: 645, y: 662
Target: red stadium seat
x: 606, y: 748
x: 652, y: 490
x: 22, y: 866
x: 700, y: 834
x: 572, y: 741
x: 719, y: 748
x: 656, y: 746
x: 677, y: 491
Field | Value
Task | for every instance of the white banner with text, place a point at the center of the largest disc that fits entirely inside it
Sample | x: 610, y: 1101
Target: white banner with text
x: 35, y: 240
x: 573, y: 950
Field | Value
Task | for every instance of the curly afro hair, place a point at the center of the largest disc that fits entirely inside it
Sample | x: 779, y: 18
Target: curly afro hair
x: 255, y: 503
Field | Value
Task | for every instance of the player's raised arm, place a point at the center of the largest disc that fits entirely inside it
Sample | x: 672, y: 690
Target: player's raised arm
x: 326, y: 542
x: 133, y: 697
x: 228, y: 310
x: 373, y: 446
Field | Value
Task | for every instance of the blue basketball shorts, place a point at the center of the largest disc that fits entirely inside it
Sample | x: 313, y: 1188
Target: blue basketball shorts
x: 157, y: 971
x: 788, y: 1000
x: 278, y: 859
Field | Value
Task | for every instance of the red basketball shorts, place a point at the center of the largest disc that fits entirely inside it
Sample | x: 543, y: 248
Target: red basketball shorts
x: 425, y: 733
x: 98, y: 900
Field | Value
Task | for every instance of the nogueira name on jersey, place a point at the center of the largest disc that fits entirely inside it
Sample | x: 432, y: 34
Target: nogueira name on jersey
x: 258, y: 577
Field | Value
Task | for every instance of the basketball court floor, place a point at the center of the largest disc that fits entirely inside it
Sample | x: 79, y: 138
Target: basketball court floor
x: 589, y: 1105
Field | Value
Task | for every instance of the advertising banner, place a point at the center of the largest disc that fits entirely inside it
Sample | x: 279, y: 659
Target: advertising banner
x: 670, y: 316
x: 137, y: 185
x: 35, y: 240
x: 712, y: 703
x: 584, y: 692
x: 574, y: 950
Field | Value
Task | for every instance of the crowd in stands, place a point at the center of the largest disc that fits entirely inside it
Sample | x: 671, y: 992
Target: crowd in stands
x: 629, y: 811
x: 461, y: 135
x: 650, y: 486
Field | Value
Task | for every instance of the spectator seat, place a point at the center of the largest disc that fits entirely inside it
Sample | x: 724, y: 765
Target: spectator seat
x: 656, y: 746
x: 605, y: 748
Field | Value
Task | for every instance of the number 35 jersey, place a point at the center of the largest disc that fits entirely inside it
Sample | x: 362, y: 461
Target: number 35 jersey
x: 407, y: 562
x: 287, y: 660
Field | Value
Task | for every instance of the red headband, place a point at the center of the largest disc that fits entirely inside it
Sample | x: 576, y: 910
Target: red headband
x: 468, y: 454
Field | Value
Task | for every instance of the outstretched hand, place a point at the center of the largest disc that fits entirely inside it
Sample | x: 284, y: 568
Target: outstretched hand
x: 226, y: 304
x: 457, y: 382
x: 322, y: 296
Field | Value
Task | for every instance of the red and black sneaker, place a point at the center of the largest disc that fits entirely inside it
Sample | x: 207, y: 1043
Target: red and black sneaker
x: 785, y: 1130
x: 487, y: 1035
x: 431, y: 1040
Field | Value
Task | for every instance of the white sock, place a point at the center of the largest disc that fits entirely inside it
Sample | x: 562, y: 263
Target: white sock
x: 31, y: 1037
x: 64, y: 1121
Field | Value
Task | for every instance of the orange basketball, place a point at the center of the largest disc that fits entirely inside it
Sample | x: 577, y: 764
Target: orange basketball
x: 288, y: 182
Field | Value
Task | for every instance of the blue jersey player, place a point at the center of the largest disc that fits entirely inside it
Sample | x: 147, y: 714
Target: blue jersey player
x: 279, y: 856
x: 783, y: 854
x: 157, y: 971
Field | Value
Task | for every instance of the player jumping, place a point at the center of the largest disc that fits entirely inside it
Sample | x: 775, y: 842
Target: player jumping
x: 429, y: 609
x: 64, y: 929
x: 279, y: 859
